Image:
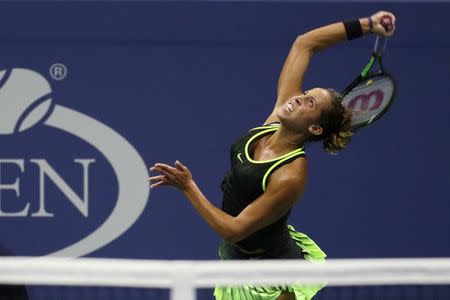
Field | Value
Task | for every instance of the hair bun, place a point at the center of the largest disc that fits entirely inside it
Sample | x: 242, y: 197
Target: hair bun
x: 337, y: 141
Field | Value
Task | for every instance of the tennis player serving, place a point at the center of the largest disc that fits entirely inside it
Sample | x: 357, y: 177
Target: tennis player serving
x: 268, y: 165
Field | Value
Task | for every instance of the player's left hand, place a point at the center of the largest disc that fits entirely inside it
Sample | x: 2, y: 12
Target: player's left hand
x: 178, y: 176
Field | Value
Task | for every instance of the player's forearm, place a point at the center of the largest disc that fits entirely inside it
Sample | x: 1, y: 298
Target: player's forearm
x: 329, y: 35
x: 218, y: 220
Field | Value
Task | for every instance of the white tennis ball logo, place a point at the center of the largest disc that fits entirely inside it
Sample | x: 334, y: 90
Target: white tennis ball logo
x: 24, y: 100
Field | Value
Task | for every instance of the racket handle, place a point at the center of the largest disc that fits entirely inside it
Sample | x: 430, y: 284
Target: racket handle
x: 380, y: 45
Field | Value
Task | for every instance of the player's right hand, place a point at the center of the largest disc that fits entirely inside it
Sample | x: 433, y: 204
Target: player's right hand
x: 389, y: 19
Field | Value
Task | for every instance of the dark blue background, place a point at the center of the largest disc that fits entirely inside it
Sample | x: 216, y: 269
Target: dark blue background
x: 182, y: 80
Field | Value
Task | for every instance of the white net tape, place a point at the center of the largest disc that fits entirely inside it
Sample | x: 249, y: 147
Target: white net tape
x: 183, y: 277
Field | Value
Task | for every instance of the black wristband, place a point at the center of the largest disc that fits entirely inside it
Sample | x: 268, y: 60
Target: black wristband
x: 369, y: 20
x: 353, y: 29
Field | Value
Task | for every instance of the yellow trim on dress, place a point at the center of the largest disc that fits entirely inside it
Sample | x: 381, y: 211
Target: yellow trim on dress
x: 269, y: 160
x: 293, y: 154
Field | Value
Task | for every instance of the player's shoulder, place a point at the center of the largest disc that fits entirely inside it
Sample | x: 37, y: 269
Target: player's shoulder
x: 294, y: 173
x: 298, y: 167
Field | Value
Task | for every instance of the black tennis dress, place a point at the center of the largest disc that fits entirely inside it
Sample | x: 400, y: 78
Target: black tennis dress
x: 245, y: 181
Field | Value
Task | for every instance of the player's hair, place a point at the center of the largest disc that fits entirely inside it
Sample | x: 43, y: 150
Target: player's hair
x: 335, y: 121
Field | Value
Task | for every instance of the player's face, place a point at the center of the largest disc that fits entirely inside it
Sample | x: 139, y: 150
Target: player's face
x: 301, y: 112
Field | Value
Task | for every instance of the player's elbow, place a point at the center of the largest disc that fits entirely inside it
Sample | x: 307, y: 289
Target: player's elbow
x: 234, y: 238
x: 303, y: 44
x: 231, y: 239
x: 237, y: 232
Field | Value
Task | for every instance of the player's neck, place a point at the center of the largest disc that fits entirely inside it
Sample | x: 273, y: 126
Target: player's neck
x: 284, y: 139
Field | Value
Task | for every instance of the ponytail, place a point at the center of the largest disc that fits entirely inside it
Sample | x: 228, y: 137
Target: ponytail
x: 335, y: 142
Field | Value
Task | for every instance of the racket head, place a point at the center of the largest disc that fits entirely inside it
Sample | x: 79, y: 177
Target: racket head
x: 370, y: 99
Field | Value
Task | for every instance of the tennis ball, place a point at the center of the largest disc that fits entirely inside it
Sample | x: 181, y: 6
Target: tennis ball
x: 369, y: 82
x: 24, y: 99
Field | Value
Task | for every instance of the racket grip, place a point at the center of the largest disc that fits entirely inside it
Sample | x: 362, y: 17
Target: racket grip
x: 380, y: 45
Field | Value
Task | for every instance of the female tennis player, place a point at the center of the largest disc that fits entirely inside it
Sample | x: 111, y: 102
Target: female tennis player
x: 269, y: 168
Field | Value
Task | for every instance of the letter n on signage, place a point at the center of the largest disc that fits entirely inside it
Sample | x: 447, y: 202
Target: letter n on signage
x: 81, y: 204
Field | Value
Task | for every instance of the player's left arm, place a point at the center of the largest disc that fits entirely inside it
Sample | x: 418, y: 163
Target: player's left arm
x: 285, y: 187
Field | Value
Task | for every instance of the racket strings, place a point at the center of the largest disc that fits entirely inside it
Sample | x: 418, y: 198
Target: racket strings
x: 369, y: 99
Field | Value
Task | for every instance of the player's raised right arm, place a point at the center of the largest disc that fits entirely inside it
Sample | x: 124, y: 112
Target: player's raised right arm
x: 306, y: 45
x: 302, y: 50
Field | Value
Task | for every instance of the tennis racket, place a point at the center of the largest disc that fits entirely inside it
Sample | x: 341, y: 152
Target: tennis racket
x: 371, y: 94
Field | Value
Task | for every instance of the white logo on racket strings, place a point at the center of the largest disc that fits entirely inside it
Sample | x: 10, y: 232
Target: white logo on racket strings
x: 364, y: 100
x: 21, y: 108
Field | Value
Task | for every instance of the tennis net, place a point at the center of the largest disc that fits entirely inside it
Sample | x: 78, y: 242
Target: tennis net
x: 93, y: 278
